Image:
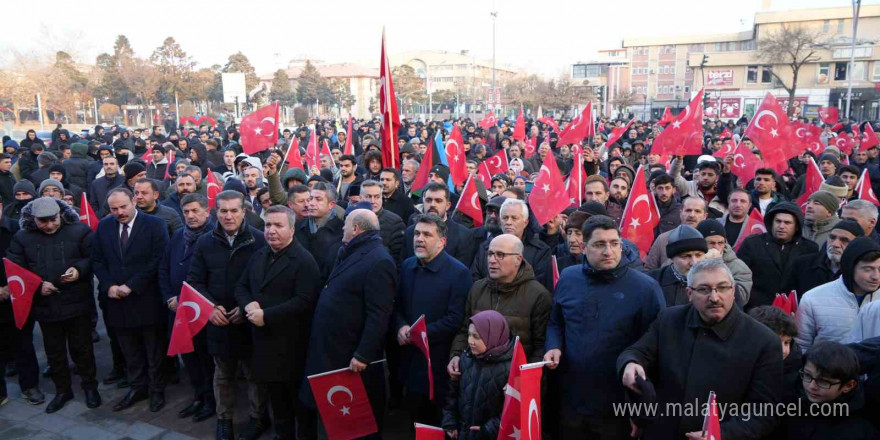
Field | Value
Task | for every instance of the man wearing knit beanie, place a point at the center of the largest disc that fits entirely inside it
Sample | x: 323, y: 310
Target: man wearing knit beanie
x: 569, y: 253
x: 133, y: 171
x: 836, y: 186
x: 52, y: 188
x: 828, y: 164
x: 820, y: 216
x: 716, y: 240
x: 685, y: 248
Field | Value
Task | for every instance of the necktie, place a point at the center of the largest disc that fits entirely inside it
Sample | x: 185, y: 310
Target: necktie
x: 124, y: 237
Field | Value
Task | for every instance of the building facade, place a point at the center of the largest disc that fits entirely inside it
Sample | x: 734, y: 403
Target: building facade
x: 363, y: 84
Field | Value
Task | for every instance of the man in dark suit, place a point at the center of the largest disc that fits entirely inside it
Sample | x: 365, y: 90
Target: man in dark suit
x: 278, y: 294
x: 460, y: 243
x: 126, y: 251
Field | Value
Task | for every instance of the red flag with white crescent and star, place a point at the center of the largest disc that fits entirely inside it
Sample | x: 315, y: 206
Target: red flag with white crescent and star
x: 213, y: 189
x: 519, y: 130
x: 844, y: 143
x: 809, y: 137
x: 531, y: 146
x: 548, y: 197
x: 550, y: 122
x: 575, y: 183
x: 497, y: 163
x: 469, y: 202
x: 745, y: 163
x: 712, y: 423
x: 684, y: 135
x: 87, y: 214
x: 829, y: 115
x: 641, y: 215
x: 726, y: 133
x: 421, y: 178
x: 530, y: 405
x: 293, y: 158
x: 192, y: 315
x: 428, y: 432
x: 754, y: 225
x: 343, y: 404
x: 312, y: 155
x: 869, y: 138
x: 349, y: 146
x: 148, y: 156
x: 388, y: 108
x: 579, y: 128
x: 418, y: 336
x: 169, y: 156
x: 259, y: 130
x: 509, y: 426
x: 617, y: 133
x: 864, y: 190
x: 667, y: 118
x: 727, y: 147
x: 773, y: 134
x: 488, y: 121
x: 456, y: 157
x: 812, y: 183
x: 22, y: 285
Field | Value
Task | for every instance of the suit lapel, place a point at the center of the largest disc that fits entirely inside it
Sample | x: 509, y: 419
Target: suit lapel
x: 138, y: 226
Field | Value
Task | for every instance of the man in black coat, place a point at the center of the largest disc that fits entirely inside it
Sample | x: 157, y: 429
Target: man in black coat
x: 126, y: 251
x: 321, y: 233
x: 770, y: 255
x: 459, y: 239
x: 278, y: 294
x: 354, y: 310
x: 391, y: 226
x: 219, y: 261
x: 101, y: 187
x: 77, y: 165
x: 7, y: 180
x: 813, y: 270
x: 393, y: 197
x: 707, y: 345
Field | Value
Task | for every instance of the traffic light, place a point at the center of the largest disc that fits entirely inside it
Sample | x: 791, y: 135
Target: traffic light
x: 705, y: 60
x: 600, y: 93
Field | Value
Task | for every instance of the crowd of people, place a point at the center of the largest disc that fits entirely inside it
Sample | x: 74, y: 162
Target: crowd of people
x: 316, y: 268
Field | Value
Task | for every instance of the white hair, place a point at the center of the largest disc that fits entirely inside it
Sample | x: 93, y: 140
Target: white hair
x: 512, y: 202
x: 708, y: 265
x: 864, y: 207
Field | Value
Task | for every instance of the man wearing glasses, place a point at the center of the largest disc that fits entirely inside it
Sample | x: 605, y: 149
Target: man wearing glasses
x: 707, y: 345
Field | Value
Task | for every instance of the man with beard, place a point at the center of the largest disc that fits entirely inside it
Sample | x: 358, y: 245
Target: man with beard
x: 738, y: 206
x: 321, y: 232
x: 99, y: 188
x: 764, y: 192
x: 393, y: 198
x: 146, y: 196
x: 253, y: 181
x: 619, y: 191
x: 491, y: 224
x: 156, y: 168
x: 685, y: 248
x: 408, y: 173
x: 820, y: 216
x: 459, y: 240
x: 705, y: 183
x: 809, y: 271
x: 347, y: 174
x: 185, y: 184
x: 693, y: 211
x: 667, y: 203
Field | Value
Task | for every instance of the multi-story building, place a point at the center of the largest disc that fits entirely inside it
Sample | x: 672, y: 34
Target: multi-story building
x: 608, y: 74
x: 363, y: 83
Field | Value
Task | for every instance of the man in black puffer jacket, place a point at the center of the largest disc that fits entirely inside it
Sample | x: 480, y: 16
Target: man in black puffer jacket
x: 77, y: 165
x: 54, y: 244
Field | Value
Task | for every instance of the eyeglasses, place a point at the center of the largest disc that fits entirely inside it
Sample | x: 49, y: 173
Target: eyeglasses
x: 821, y: 383
x: 499, y: 255
x: 705, y: 290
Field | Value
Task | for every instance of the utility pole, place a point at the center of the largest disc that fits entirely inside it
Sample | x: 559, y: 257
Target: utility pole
x: 494, y: 15
x: 857, y: 5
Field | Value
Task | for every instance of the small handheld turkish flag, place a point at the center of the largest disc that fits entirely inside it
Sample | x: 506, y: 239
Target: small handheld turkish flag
x: 712, y: 423
x: 829, y: 115
x: 469, y: 202
x: 864, y: 190
x: 667, y: 118
x: 312, y: 154
x: 87, y: 214
x: 22, y: 285
x: 509, y: 427
x: 343, y: 404
x: 617, y: 133
x: 783, y: 303
x: 148, y: 156
x: 754, y: 225
x: 456, y: 156
x: 214, y: 188
x: 550, y: 122
x: 555, y: 270
x: 170, y: 159
x: 497, y: 163
x: 844, y: 143
x: 349, y: 146
x: 869, y: 138
x: 575, y: 183
x: 640, y: 216
x: 519, y: 130
x: 684, y: 135
x: 418, y: 336
x: 745, y: 163
x: 428, y: 432
x: 293, y: 158
x: 530, y: 405
x: 548, y: 197
x: 579, y: 127
x: 727, y: 147
x: 259, y: 130
x: 193, y: 313
x: 488, y: 121
x: 812, y: 183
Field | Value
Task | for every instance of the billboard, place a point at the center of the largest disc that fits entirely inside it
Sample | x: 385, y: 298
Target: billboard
x: 723, y: 77
x: 233, y: 86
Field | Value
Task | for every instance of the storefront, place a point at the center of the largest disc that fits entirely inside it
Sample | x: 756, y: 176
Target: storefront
x: 864, y: 106
x: 734, y: 104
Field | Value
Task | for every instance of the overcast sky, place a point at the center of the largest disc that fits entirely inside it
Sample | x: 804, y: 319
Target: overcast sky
x: 544, y: 36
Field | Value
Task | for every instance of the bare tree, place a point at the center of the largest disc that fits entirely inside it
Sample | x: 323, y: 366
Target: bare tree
x: 791, y: 46
x: 623, y: 99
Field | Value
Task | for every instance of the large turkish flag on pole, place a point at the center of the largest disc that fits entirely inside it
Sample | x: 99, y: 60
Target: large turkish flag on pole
x: 829, y: 115
x: 579, y: 128
x: 456, y: 157
x: 87, y: 214
x: 193, y: 313
x: 549, y: 196
x: 22, y: 285
x: 343, y: 404
x: 575, y: 184
x: 773, y: 134
x: 509, y: 426
x: 869, y: 138
x: 388, y: 107
x: 418, y: 336
x: 259, y: 130
x: 684, y: 135
x: 641, y: 215
x: 617, y: 133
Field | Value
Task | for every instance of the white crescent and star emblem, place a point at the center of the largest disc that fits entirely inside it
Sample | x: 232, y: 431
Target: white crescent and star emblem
x: 448, y: 154
x: 740, y: 164
x: 496, y: 165
x: 798, y: 131
x: 533, y: 409
x: 759, y: 227
x: 195, y: 307
x: 475, y: 205
x: 762, y: 113
x: 635, y: 220
x: 545, y: 187
x: 259, y: 130
x: 15, y: 279
x: 340, y: 389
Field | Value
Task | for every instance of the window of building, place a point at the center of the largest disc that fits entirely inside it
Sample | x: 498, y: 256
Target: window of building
x: 695, y: 48
x: 840, y: 71
x: 751, y: 74
x: 593, y: 71
x: 748, y: 45
x: 824, y: 73
x: 860, y: 70
x: 672, y: 70
x: 687, y: 89
x: 840, y: 26
x: 844, y: 52
x: 875, y: 76
x: 826, y: 25
x: 579, y: 71
x: 766, y: 76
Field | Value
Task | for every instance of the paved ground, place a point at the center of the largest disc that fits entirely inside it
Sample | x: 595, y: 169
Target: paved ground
x: 19, y: 420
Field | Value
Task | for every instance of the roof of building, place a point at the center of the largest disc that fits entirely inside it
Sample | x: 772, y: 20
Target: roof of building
x: 794, y: 15
x: 688, y: 39
x: 339, y: 70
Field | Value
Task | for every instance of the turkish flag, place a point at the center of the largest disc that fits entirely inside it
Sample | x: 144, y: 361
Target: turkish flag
x: 421, y: 178
x: 640, y: 216
x: 575, y: 183
x: 293, y: 158
x: 169, y: 156
x: 617, y: 133
x: 727, y: 147
x: 773, y: 134
x: 792, y: 299
x: 549, y: 196
x: 745, y: 163
x: 812, y: 183
x: 259, y: 130
x: 193, y: 313
x: 469, y: 202
x: 343, y: 404
x: 783, y: 303
x: 349, y: 147
x: 519, y: 130
x: 530, y: 405
x: 869, y: 139
x: 844, y: 143
x: 754, y: 225
x: 312, y: 154
x: 667, y: 118
x: 418, y: 336
x: 684, y: 135
x: 579, y: 128
x: 388, y: 108
x: 428, y: 432
x: 509, y: 426
x: 325, y: 151
x: 213, y: 189
x: 22, y: 284
x: 726, y: 133
x: 87, y: 214
x: 531, y: 147
x: 712, y: 424
x: 555, y: 270
x: 455, y: 156
x: 497, y: 163
x: 549, y: 121
x: 808, y: 136
x: 488, y: 121
x: 829, y: 115
x: 148, y: 156
x: 864, y: 190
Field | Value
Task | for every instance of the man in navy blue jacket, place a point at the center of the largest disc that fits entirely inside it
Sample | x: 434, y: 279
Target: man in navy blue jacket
x: 125, y: 256
x: 600, y: 308
x: 436, y: 285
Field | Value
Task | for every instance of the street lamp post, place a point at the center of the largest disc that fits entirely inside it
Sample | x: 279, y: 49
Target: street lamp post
x: 494, y: 15
x: 856, y: 4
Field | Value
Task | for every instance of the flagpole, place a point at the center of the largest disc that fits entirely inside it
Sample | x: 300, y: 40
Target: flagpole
x: 327, y: 373
x: 534, y: 365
